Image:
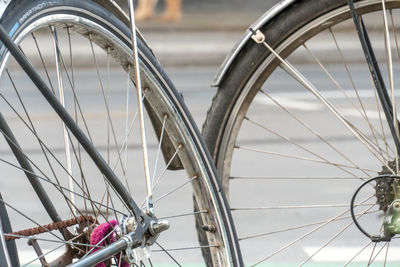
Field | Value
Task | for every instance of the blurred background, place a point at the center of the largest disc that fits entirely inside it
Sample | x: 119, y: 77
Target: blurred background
x: 191, y: 51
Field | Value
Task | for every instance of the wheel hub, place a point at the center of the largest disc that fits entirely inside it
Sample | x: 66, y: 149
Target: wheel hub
x: 129, y: 225
x: 391, y: 222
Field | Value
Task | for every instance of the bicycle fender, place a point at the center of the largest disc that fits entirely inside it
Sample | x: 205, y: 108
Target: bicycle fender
x: 117, y: 11
x: 246, y: 38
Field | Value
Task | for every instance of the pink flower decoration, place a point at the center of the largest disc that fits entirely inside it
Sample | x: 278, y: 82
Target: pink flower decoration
x: 99, y: 233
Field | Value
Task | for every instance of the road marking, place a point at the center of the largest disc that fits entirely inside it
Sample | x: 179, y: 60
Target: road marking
x: 344, y: 254
x: 291, y: 103
x: 329, y: 94
x: 307, y: 102
x: 352, y: 112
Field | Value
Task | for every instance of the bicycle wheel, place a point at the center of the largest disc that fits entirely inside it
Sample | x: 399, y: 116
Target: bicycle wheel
x: 83, y: 53
x: 291, y: 155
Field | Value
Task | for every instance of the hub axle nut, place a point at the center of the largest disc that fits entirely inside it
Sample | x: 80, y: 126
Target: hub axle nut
x: 158, y: 227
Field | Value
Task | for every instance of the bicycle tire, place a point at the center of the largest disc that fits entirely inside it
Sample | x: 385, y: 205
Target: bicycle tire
x: 71, y: 34
x: 258, y: 132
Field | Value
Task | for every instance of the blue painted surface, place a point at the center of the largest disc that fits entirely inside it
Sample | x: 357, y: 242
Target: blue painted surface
x: 11, y: 33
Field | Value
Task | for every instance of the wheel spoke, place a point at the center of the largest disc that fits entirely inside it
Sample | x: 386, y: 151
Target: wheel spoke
x: 314, y: 132
x: 169, y: 254
x: 307, y: 234
x: 67, y: 145
x: 377, y: 253
x: 43, y: 255
x: 125, y: 144
x: 386, y: 254
x: 33, y: 130
x: 186, y: 248
x: 297, y: 227
x: 391, y: 80
x: 296, y: 178
x: 71, y: 81
x: 358, y: 253
x: 47, y: 149
x: 42, y: 61
x: 297, y: 207
x: 297, y: 145
x: 291, y: 70
x: 106, y: 104
x: 63, y: 242
x: 166, y: 167
x: 302, y: 158
x: 375, y: 72
x: 62, y: 188
x: 158, y: 151
x: 31, y: 220
x: 363, y: 112
x: 175, y: 189
x: 114, y: 229
x: 184, y: 214
x: 127, y: 114
x: 351, y: 79
x: 335, y: 236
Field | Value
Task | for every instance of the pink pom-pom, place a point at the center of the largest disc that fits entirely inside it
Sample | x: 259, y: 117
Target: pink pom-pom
x: 98, y: 238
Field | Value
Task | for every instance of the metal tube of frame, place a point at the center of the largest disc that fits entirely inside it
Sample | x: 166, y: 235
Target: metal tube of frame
x: 69, y: 122
x: 376, y: 75
x: 103, y: 254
